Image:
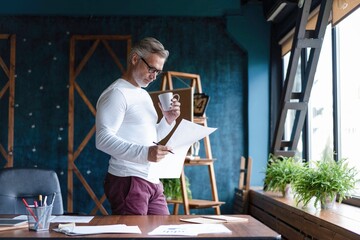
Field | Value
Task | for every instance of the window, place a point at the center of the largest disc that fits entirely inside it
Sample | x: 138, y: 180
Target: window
x: 320, y: 113
x: 320, y: 108
x: 322, y: 117
x: 289, y: 122
x: 348, y: 33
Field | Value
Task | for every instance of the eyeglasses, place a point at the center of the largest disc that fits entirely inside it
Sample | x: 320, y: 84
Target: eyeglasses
x: 152, y: 69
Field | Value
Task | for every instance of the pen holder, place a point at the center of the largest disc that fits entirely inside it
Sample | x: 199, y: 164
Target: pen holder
x: 39, y: 217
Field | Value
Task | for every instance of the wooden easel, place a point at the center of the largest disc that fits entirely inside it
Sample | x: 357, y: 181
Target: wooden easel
x: 194, y: 82
x: 9, y: 71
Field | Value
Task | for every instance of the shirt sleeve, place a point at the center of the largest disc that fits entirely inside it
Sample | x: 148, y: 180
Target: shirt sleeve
x: 164, y: 128
x: 110, y: 114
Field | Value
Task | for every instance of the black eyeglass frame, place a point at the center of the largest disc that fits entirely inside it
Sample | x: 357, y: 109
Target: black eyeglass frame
x: 150, y: 68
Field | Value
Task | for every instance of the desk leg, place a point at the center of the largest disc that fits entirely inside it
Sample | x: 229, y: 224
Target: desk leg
x: 176, y: 209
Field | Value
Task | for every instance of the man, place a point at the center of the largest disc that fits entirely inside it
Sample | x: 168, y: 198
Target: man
x: 126, y: 129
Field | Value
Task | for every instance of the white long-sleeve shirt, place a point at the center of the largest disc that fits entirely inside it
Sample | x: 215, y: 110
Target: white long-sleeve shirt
x: 126, y: 125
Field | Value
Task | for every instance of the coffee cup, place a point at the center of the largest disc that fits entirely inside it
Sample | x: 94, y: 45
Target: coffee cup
x: 166, y: 100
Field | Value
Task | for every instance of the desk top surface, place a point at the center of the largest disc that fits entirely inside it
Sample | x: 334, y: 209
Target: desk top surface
x: 253, y: 229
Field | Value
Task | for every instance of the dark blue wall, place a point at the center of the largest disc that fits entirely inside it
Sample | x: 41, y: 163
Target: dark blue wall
x: 252, y: 32
x: 42, y: 79
x: 203, y: 8
x: 230, y: 54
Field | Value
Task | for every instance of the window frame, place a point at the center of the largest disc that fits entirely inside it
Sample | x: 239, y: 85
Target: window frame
x: 355, y: 200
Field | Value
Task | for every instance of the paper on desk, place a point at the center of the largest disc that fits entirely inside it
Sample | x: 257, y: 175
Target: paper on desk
x: 189, y: 229
x: 73, y: 219
x: 64, y: 218
x: 99, y: 229
x: 25, y: 217
x: 186, y: 134
x: 174, y: 230
x: 226, y: 218
x: 201, y: 220
x: 214, y: 219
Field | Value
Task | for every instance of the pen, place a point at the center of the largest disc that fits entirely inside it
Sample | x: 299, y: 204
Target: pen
x: 159, y: 144
x: 40, y: 200
x: 28, y: 207
x: 53, y: 199
x: 45, y: 201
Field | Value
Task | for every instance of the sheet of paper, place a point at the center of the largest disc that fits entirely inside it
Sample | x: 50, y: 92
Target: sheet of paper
x: 63, y: 218
x: 201, y: 220
x: 226, y: 218
x: 211, y: 228
x: 186, y: 134
x: 99, y: 229
x: 24, y: 217
x: 214, y: 219
x: 173, y: 230
x: 72, y: 219
x: 189, y: 229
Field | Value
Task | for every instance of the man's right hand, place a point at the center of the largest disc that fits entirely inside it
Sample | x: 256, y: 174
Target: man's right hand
x: 157, y: 152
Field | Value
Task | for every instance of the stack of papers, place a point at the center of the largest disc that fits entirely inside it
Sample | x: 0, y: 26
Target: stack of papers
x: 12, y: 224
x: 73, y: 230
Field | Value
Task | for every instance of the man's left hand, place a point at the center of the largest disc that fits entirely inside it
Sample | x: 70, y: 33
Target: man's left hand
x: 173, y: 113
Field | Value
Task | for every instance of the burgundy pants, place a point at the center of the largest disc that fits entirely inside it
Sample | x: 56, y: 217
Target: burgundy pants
x: 134, y: 196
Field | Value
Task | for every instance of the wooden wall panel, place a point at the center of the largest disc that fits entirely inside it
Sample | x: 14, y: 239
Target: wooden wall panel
x: 8, y: 67
x: 74, y: 71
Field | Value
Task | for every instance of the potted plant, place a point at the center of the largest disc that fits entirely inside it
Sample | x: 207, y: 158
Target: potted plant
x: 281, y: 172
x: 323, y: 182
x: 172, y: 188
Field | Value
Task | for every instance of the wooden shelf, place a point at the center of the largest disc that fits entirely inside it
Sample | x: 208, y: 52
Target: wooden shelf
x: 207, y: 161
x: 200, y: 161
x: 200, y: 120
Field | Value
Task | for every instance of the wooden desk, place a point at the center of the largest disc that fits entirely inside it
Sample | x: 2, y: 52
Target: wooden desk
x: 253, y: 229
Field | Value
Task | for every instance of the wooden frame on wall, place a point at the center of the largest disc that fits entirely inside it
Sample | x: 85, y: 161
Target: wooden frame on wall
x: 74, y: 71
x: 9, y: 71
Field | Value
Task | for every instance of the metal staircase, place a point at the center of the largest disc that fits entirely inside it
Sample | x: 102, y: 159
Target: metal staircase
x: 298, y: 101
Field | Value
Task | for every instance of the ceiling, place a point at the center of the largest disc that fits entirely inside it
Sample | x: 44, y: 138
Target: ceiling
x: 121, y: 7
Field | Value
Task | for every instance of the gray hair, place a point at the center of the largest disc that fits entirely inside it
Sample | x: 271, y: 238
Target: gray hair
x: 147, y: 46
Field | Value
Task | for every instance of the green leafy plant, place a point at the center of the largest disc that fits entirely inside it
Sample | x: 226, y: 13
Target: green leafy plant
x: 327, y: 179
x: 281, y: 171
x: 172, y: 188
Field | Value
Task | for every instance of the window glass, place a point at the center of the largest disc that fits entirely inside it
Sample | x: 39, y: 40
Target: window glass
x: 320, y: 137
x: 349, y: 81
x: 289, y: 122
x: 320, y: 109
